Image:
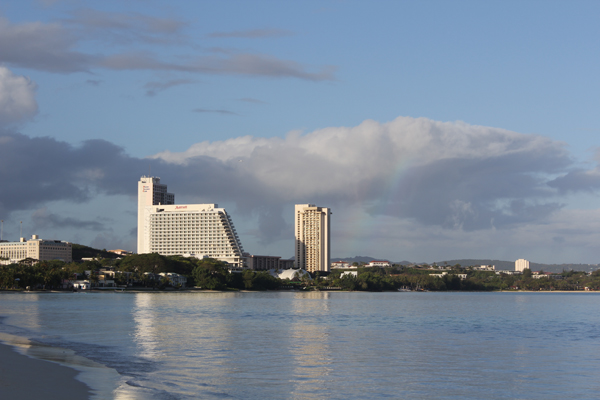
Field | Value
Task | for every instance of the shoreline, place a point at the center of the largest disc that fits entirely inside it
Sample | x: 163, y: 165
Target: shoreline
x: 58, y: 373
x: 24, y: 377
x: 135, y: 291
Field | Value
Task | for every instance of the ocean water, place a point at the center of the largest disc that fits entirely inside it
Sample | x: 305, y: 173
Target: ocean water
x: 319, y: 345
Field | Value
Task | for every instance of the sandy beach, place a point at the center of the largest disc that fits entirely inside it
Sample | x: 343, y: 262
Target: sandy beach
x: 22, y: 377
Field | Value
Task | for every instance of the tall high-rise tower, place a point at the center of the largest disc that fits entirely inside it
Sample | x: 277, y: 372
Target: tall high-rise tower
x: 521, y: 265
x: 150, y: 193
x: 312, y: 237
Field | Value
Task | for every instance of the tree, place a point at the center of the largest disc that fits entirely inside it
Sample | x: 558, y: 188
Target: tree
x: 211, y: 274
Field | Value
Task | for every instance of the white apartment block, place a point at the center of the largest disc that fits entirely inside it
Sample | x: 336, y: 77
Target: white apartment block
x: 312, y: 229
x: 35, y: 248
x: 200, y: 230
x: 521, y: 265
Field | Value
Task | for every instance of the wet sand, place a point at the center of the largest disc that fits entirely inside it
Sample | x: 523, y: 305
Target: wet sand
x: 22, y: 377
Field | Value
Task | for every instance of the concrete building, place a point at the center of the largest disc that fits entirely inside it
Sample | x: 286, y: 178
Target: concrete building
x: 286, y: 263
x: 380, y: 264
x: 199, y: 230
x: 36, y: 249
x: 340, y: 265
x: 521, y: 265
x: 312, y: 229
x: 262, y: 263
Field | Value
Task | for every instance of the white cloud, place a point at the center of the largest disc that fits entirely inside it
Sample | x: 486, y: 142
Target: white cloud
x: 411, y: 188
x: 55, y: 47
x: 17, y: 97
x: 363, y: 162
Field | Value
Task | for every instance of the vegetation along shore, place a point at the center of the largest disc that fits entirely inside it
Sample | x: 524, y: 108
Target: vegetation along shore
x: 154, y: 272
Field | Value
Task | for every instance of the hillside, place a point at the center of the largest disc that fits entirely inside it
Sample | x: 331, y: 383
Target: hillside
x: 80, y: 251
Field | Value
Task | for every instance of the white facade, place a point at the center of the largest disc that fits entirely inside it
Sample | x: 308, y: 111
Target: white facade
x: 35, y: 248
x: 150, y: 193
x: 521, y: 265
x: 378, y: 264
x: 312, y: 229
x: 290, y: 274
x: 201, y: 230
x: 340, y: 265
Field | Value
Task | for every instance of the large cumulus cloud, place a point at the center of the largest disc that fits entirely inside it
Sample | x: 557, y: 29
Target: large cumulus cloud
x: 17, y: 97
x: 451, y: 175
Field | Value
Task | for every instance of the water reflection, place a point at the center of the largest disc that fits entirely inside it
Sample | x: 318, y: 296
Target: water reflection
x: 144, y: 315
x: 310, y: 345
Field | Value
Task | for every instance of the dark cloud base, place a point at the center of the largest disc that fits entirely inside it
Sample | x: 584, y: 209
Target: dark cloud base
x: 467, y: 193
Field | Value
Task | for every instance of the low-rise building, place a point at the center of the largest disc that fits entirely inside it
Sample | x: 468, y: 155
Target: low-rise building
x: 379, y: 264
x: 439, y: 275
x: 340, y: 265
x: 35, y: 249
x: 82, y: 285
x: 286, y: 263
x: 508, y: 272
x: 262, y: 263
x: 174, y: 279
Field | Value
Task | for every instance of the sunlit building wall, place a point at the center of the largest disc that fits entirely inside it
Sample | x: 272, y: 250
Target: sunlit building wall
x: 36, y: 249
x: 521, y: 265
x: 312, y: 245
x: 201, y: 230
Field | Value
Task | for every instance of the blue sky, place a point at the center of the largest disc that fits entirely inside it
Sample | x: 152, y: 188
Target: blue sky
x: 433, y: 129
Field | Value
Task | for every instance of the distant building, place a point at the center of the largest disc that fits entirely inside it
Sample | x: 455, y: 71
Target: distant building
x: 199, y: 230
x: 312, y: 231
x: 380, y: 264
x: 82, y: 285
x: 439, y: 275
x: 120, y: 252
x: 521, y: 265
x: 36, y: 249
x: 291, y: 274
x: 340, y: 264
x: 507, y: 272
x: 262, y: 263
x: 174, y: 279
x: 485, y: 268
x: 286, y: 263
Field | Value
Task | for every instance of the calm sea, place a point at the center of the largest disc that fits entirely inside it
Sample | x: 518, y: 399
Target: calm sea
x: 318, y: 345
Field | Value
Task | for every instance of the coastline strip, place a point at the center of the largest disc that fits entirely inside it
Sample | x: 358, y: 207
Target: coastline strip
x: 22, y: 377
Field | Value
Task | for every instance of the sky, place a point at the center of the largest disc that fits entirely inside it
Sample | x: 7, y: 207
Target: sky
x: 434, y: 130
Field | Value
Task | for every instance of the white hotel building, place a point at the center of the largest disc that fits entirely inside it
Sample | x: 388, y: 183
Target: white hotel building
x: 200, y: 230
